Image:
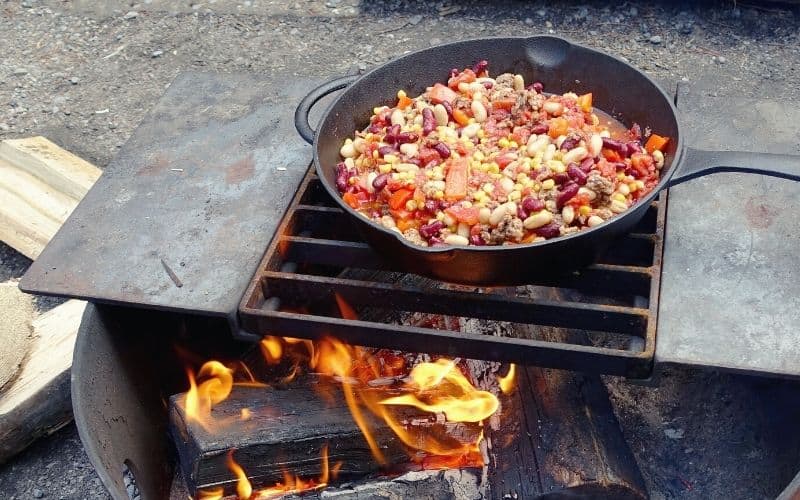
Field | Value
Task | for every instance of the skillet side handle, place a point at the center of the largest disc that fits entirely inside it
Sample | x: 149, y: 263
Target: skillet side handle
x: 698, y: 163
x: 308, y: 102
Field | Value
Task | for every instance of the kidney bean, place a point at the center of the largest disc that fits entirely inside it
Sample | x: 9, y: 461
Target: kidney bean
x: 549, y: 231
x: 406, y: 137
x: 387, y: 150
x: 342, y: 176
x: 480, y: 66
x: 436, y: 242
x: 476, y: 240
x: 532, y: 204
x: 392, y: 133
x: 569, y: 143
x: 539, y: 129
x: 375, y: 128
x: 635, y: 132
x: 380, y: 181
x: 431, y: 206
x: 538, y: 87
x: 587, y: 164
x: 428, y: 121
x: 449, y: 108
x: 615, y: 145
x: 521, y: 212
x: 442, y: 149
x: 431, y: 230
x: 560, y: 178
x: 454, y: 72
x: 576, y: 174
x: 567, y: 193
x: 415, y: 161
x: 488, y: 85
x: 632, y: 172
x: 633, y: 147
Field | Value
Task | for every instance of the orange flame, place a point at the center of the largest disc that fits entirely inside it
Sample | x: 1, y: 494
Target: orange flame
x: 507, y: 383
x: 246, y: 414
x: 211, y: 494
x: 216, y: 385
x: 272, y: 349
x: 243, y: 487
x: 442, y: 388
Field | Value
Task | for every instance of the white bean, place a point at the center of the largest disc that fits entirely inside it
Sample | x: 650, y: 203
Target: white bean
x: 507, y: 184
x: 605, y: 133
x: 349, y: 163
x: 448, y: 220
x: 475, y: 87
x: 658, y: 156
x: 594, y: 220
x: 588, y: 193
x: 553, y: 107
x: 440, y: 113
x: 348, y: 150
x: 519, y: 83
x: 471, y: 130
x: 595, y: 145
x: 538, y: 219
x: 568, y: 214
x: 463, y: 230
x: 617, y: 206
x: 574, y: 155
x: 456, y: 239
x: 483, y: 215
x: 409, y: 149
x: 371, y: 177
x: 479, y: 111
x: 537, y: 145
x: 397, y: 118
x: 463, y: 87
x: 406, y: 167
x: 549, y: 152
x: 509, y: 208
x: 623, y: 189
x: 360, y: 144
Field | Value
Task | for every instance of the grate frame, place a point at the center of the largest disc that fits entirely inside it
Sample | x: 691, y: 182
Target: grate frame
x: 292, y: 294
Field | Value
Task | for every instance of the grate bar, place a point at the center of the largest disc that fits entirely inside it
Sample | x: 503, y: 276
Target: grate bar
x: 584, y: 316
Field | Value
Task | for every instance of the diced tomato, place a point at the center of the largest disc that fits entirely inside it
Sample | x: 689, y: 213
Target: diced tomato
x: 393, y: 185
x: 606, y: 169
x: 400, y: 197
x: 440, y: 93
x: 642, y: 163
x: 460, y: 117
x: 456, y: 179
x: 656, y: 142
x: 492, y: 130
x: 419, y: 196
x: 427, y: 155
x: 504, y: 159
x: 461, y: 148
x: 466, y: 76
x: 558, y: 126
x: 611, y: 155
x: 506, y: 104
x: 405, y: 224
x: 520, y: 135
x: 579, y: 199
x: 585, y: 102
x: 461, y: 214
x: 400, y: 214
x: 357, y: 199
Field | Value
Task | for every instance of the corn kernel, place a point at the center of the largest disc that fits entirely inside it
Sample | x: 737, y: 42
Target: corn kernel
x: 385, y: 168
x: 620, y: 175
x: 633, y: 186
x: 548, y: 184
x: 390, y: 158
x: 618, y: 197
x: 585, y: 210
x: 513, y: 144
x: 536, y: 186
x: 556, y: 166
x: 411, y: 205
x: 438, y: 194
x: 352, y: 180
x: 503, y: 143
x: 518, y: 187
x: 375, y: 155
x: 494, y: 168
x: 429, y: 174
x: 401, y: 94
x: 496, y: 175
x: 514, y: 195
x: 478, y: 155
x: 488, y: 188
x: 481, y: 135
x: 439, y: 215
x: 640, y: 184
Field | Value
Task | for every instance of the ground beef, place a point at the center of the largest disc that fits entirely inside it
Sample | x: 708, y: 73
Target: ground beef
x: 509, y: 229
x: 600, y: 185
x: 413, y: 236
x: 504, y: 80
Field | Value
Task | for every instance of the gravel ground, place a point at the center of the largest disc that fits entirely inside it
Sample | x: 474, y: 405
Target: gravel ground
x: 83, y: 73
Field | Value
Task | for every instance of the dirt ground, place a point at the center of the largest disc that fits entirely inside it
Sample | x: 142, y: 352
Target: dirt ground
x: 84, y: 73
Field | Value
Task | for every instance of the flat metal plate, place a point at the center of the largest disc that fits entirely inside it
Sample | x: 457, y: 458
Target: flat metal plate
x: 730, y: 295
x: 182, y: 215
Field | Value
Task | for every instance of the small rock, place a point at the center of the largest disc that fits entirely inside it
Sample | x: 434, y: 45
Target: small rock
x: 529, y: 21
x: 548, y: 24
x: 633, y: 11
x: 435, y: 41
x: 673, y: 433
x: 20, y: 72
x: 655, y: 39
x: 131, y: 15
x: 362, y: 67
x: 74, y: 80
x: 4, y: 127
x: 37, y: 493
x: 594, y: 32
x: 415, y: 20
x: 156, y: 53
x: 541, y: 12
x: 686, y: 28
x: 722, y: 60
x: 294, y: 31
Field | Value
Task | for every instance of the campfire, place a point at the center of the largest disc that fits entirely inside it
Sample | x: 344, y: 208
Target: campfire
x: 434, y: 412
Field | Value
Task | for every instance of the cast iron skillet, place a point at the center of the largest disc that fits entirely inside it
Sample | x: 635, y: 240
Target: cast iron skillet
x: 617, y: 88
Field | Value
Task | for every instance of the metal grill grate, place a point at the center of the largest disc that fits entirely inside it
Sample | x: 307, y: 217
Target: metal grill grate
x: 318, y: 253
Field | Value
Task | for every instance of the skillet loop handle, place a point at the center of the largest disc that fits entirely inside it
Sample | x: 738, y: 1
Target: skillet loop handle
x: 698, y: 163
x: 308, y: 102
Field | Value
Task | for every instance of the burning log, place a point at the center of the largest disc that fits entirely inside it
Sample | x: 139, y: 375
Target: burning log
x: 275, y: 431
